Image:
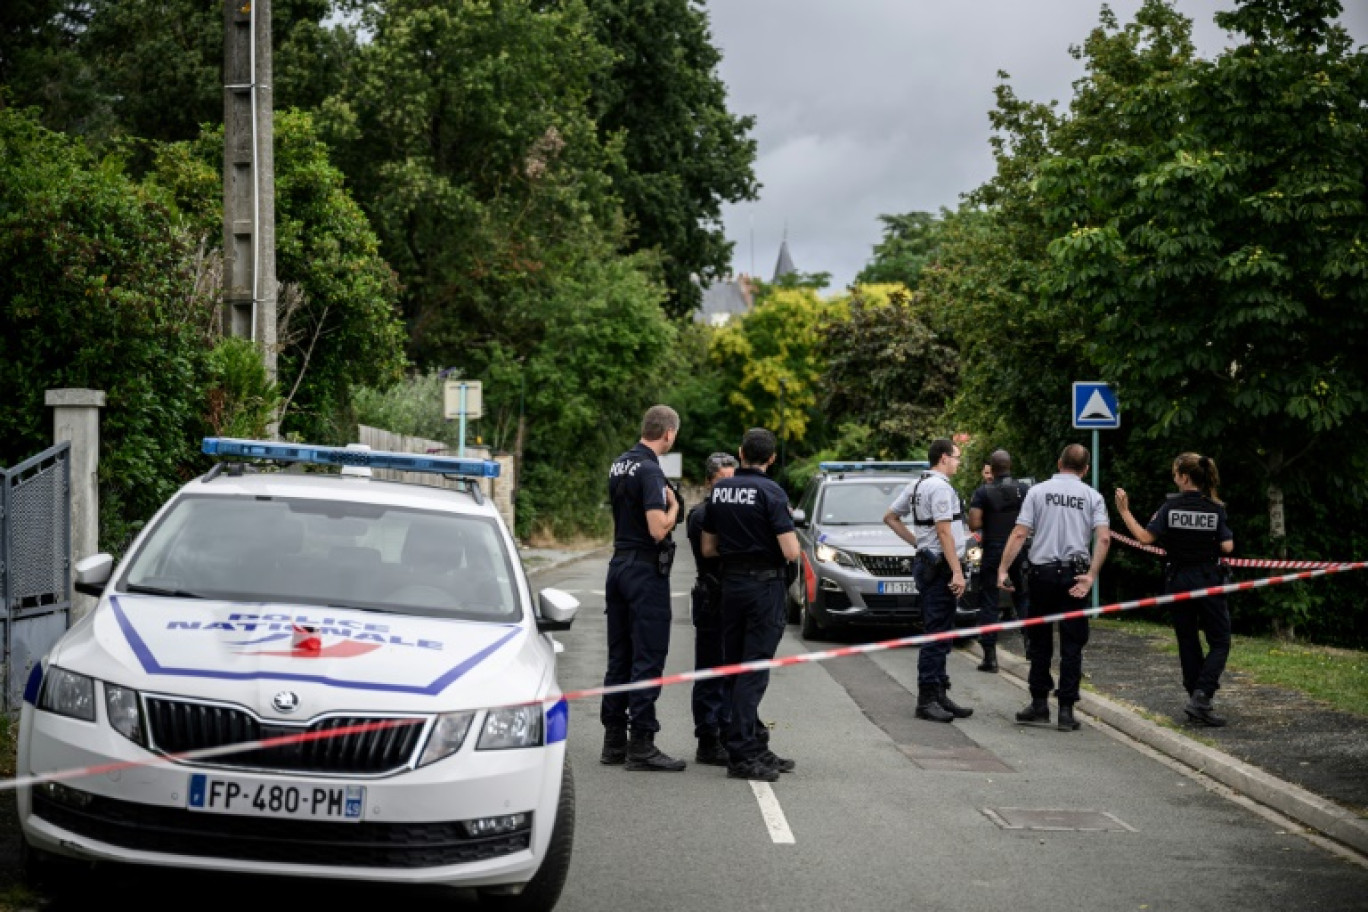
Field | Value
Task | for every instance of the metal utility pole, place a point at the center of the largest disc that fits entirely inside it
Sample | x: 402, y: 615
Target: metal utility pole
x: 249, y: 278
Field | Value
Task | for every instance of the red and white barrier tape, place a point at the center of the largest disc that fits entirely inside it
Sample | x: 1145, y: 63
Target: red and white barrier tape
x: 703, y: 674
x: 1239, y: 561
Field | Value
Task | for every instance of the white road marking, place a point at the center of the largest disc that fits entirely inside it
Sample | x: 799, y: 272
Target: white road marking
x: 773, y: 814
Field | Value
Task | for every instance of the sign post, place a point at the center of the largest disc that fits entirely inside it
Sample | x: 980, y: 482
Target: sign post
x: 462, y: 399
x: 1095, y: 408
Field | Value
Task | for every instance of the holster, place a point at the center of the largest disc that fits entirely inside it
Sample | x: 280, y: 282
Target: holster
x: 665, y: 556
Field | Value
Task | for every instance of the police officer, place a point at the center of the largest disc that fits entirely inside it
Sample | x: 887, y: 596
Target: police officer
x: 1192, y: 528
x: 749, y: 526
x: 645, y: 511
x: 993, y: 510
x: 938, y: 535
x: 1064, y: 513
x: 712, y: 696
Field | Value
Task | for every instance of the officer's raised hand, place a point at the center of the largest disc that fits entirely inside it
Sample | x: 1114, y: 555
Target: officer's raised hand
x: 1122, y: 500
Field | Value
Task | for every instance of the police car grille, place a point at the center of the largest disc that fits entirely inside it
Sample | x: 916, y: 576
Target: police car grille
x: 887, y: 564
x: 364, y: 844
x: 177, y: 726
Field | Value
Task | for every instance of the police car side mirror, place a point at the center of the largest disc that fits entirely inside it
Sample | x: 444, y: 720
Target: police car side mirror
x: 800, y: 519
x: 92, y: 574
x: 556, y: 610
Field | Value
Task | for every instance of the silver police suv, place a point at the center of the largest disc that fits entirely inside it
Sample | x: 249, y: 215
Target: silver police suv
x: 855, y: 572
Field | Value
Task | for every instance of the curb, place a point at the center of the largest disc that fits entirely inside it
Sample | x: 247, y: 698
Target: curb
x: 1305, y: 807
x: 551, y: 564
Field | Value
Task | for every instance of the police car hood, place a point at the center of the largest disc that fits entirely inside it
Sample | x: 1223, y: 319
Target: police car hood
x: 870, y: 539
x: 247, y: 653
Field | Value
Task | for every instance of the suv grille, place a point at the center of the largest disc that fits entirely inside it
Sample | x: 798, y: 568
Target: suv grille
x: 887, y: 564
x: 176, y: 726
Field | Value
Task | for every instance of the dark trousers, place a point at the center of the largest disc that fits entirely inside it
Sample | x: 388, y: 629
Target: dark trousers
x: 638, y: 613
x: 1050, y: 587
x: 938, y: 615
x: 1201, y: 671
x: 711, y: 699
x: 753, y: 618
x: 989, y: 610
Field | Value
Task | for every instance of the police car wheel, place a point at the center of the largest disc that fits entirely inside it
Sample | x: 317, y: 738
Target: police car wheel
x: 52, y: 873
x: 544, y: 889
x: 795, y: 602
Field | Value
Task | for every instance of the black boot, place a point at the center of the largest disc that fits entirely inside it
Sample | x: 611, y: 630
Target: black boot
x: 928, y: 704
x: 1199, y: 710
x: 710, y: 750
x: 989, y: 662
x: 1067, y: 722
x: 950, y: 706
x: 642, y: 754
x: 1038, y: 710
x: 614, y: 746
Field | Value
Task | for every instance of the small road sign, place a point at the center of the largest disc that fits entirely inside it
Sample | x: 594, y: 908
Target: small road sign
x: 1094, y: 405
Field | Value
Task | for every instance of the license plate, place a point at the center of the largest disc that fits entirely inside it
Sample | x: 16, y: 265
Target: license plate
x: 225, y: 795
x: 898, y: 587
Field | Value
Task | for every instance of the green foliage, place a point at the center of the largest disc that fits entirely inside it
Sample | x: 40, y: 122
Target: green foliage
x: 242, y: 400
x: 888, y: 370
x: 96, y: 292
x: 413, y: 406
x: 697, y: 390
x: 774, y: 349
x: 683, y: 153
x: 910, y: 244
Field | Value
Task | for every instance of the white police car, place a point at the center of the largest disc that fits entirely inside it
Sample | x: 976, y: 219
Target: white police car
x: 310, y: 674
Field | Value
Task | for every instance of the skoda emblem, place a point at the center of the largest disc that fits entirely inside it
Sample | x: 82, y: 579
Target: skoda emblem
x: 286, y: 701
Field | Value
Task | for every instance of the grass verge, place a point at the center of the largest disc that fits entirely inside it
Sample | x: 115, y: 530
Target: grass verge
x: 1338, y: 677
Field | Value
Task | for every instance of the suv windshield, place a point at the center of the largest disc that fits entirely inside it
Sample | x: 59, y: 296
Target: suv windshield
x: 859, y: 504
x: 328, y: 553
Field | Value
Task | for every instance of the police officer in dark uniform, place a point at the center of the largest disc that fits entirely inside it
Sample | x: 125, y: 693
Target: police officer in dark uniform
x: 645, y: 511
x: 1193, y: 530
x: 993, y: 511
x: 712, y: 696
x: 938, y: 535
x: 1063, y: 514
x: 749, y: 526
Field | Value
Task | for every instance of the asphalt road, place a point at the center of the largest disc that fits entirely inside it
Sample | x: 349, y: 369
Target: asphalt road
x: 888, y: 812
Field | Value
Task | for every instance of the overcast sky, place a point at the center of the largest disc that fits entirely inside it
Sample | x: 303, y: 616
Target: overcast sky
x: 867, y: 107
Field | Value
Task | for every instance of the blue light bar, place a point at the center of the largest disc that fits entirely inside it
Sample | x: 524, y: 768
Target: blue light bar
x: 342, y: 456
x: 872, y: 466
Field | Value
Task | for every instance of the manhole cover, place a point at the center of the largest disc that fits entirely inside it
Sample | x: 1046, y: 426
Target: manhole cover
x: 1056, y: 819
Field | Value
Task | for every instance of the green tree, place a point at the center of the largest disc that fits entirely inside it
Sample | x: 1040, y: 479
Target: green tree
x: 683, y: 153
x: 1222, y: 262
x: 887, y: 370
x: 97, y: 291
x: 910, y: 244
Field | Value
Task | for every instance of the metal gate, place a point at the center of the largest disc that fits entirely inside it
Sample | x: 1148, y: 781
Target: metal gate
x: 35, y: 562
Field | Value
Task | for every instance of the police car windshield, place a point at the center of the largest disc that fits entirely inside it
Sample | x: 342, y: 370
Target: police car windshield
x: 328, y: 553
x: 859, y: 504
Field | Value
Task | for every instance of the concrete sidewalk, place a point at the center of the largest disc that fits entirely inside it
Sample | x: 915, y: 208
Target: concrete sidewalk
x: 1300, y: 804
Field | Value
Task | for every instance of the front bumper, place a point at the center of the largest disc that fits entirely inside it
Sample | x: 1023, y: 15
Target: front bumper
x: 845, y: 596
x: 411, y: 828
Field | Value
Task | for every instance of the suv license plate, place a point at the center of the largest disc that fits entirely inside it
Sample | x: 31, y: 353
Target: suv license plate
x: 225, y: 795
x: 901, y: 587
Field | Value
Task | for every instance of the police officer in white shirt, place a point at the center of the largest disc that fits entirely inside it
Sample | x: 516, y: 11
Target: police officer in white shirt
x: 939, y: 536
x: 1064, y: 513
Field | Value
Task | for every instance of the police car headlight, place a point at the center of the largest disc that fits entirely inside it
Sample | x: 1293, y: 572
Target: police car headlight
x: 516, y: 726
x: 124, y: 710
x: 973, y: 555
x: 68, y: 694
x: 447, y: 736
x: 828, y: 554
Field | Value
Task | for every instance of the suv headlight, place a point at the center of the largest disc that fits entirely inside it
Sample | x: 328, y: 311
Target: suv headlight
x: 68, y: 694
x: 974, y: 555
x: 827, y: 554
x: 447, y: 736
x: 124, y: 710
x: 516, y: 726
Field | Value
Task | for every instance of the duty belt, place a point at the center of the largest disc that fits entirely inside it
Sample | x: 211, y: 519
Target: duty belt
x: 756, y: 567
x: 631, y: 554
